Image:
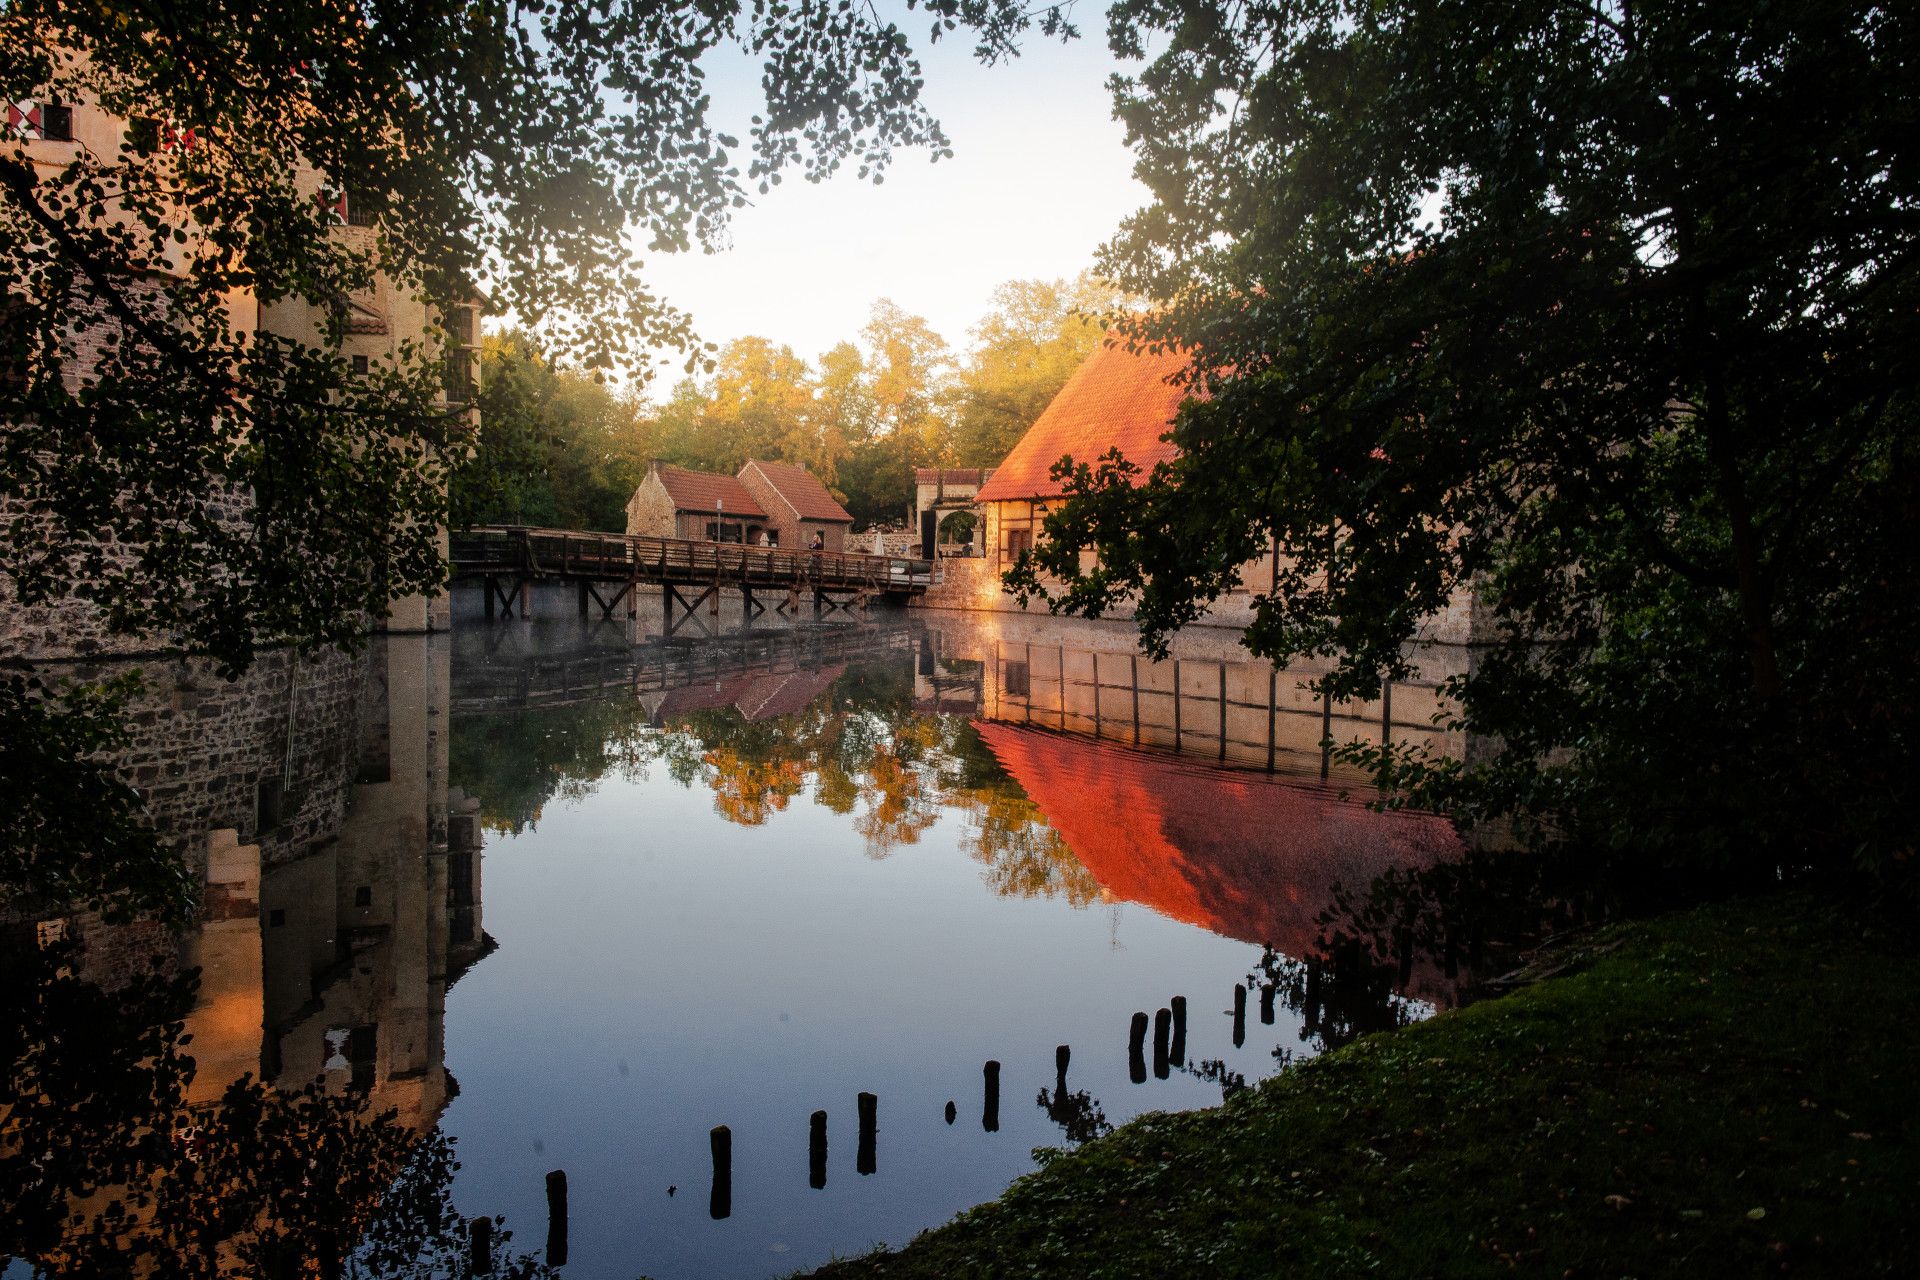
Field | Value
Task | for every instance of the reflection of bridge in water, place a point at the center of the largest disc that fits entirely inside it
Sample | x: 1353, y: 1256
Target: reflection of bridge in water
x: 762, y: 671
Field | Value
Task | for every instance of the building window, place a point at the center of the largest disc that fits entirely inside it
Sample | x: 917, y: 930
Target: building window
x: 360, y: 366
x: 1015, y: 681
x: 1018, y: 542
x: 363, y: 896
x: 360, y: 209
x: 56, y: 122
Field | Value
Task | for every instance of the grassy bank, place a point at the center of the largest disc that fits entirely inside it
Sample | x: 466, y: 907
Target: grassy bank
x: 1730, y: 1091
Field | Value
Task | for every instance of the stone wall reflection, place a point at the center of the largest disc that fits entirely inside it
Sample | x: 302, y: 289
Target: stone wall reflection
x: 343, y: 895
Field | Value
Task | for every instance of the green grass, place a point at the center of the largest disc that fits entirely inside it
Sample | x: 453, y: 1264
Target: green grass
x: 1730, y: 1091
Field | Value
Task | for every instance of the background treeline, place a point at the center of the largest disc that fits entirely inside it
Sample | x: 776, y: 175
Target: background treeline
x: 560, y: 449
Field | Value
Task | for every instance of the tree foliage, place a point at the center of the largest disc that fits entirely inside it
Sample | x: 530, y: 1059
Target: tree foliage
x: 1025, y: 349
x: 1605, y: 313
x: 204, y: 477
x: 556, y: 448
x: 868, y: 412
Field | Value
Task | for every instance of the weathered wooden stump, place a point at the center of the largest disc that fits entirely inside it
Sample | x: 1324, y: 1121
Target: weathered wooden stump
x: 817, y: 1151
x: 720, y: 1203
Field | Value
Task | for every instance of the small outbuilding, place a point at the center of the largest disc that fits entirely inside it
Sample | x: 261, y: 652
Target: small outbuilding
x: 797, y: 505
x: 673, y: 502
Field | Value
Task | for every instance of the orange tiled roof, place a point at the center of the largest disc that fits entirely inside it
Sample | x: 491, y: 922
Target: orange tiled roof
x: 1237, y: 853
x: 699, y: 490
x: 770, y: 697
x: 1117, y: 398
x: 801, y: 488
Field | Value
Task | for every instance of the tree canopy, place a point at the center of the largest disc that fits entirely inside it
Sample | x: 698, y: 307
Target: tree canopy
x: 556, y: 447
x: 272, y: 493
x: 1604, y: 312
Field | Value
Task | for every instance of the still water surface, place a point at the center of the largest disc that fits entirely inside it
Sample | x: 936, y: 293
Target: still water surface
x: 568, y: 898
x: 812, y: 867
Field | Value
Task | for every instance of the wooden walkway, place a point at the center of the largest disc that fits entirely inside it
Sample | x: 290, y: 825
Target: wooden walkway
x: 609, y: 567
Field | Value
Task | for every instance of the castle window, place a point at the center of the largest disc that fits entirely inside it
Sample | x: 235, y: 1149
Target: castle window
x: 56, y: 122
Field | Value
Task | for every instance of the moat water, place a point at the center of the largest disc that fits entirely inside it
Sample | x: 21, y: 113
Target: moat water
x: 969, y: 885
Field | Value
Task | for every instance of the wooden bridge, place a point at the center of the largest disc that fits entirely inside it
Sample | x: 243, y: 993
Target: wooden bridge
x: 508, y: 559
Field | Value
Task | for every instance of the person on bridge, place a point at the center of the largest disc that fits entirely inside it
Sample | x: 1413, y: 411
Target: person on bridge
x: 819, y: 542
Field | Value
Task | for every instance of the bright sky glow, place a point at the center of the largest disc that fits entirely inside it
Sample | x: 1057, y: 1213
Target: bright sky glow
x: 1040, y: 177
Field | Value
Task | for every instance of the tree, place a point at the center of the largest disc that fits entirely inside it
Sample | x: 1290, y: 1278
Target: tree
x: 1605, y: 312
x: 1025, y: 349
x: 904, y: 366
x: 556, y: 448
x: 520, y: 149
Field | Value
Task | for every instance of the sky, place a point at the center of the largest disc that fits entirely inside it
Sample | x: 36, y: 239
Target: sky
x: 1039, y: 178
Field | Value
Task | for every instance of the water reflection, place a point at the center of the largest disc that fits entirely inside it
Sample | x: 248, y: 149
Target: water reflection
x: 170, y: 1094
x: 740, y: 883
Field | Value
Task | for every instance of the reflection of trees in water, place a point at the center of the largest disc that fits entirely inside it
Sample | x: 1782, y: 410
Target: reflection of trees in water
x: 1443, y: 929
x: 1024, y: 856
x: 866, y: 752
x: 522, y: 760
x: 417, y: 1234
x: 106, y: 1169
x: 1077, y: 1113
x: 1339, y: 993
x: 1214, y: 1071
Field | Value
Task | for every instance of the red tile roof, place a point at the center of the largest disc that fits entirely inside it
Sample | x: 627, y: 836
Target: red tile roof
x: 1117, y: 398
x: 773, y: 696
x: 1234, y: 852
x: 699, y: 490
x: 803, y: 491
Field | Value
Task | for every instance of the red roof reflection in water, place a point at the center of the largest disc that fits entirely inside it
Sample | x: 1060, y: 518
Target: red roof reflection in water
x: 1240, y: 854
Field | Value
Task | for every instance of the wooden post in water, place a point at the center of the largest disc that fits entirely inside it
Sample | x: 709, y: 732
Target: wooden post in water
x: 1239, y: 1014
x: 1062, y: 1055
x: 1266, y: 1004
x: 1326, y: 731
x: 953, y: 1112
x: 1134, y: 663
x: 1312, y: 999
x: 1137, y: 1049
x: 1223, y: 710
x: 480, y: 1246
x: 1273, y: 712
x: 1177, y: 1051
x: 817, y: 1151
x: 1179, y: 732
x: 557, y: 1218
x: 720, y: 1203
x: 990, y: 1110
x: 864, y: 1158
x: 1162, y: 1042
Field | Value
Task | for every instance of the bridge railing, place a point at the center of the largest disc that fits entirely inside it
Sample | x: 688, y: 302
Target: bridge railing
x: 567, y: 553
